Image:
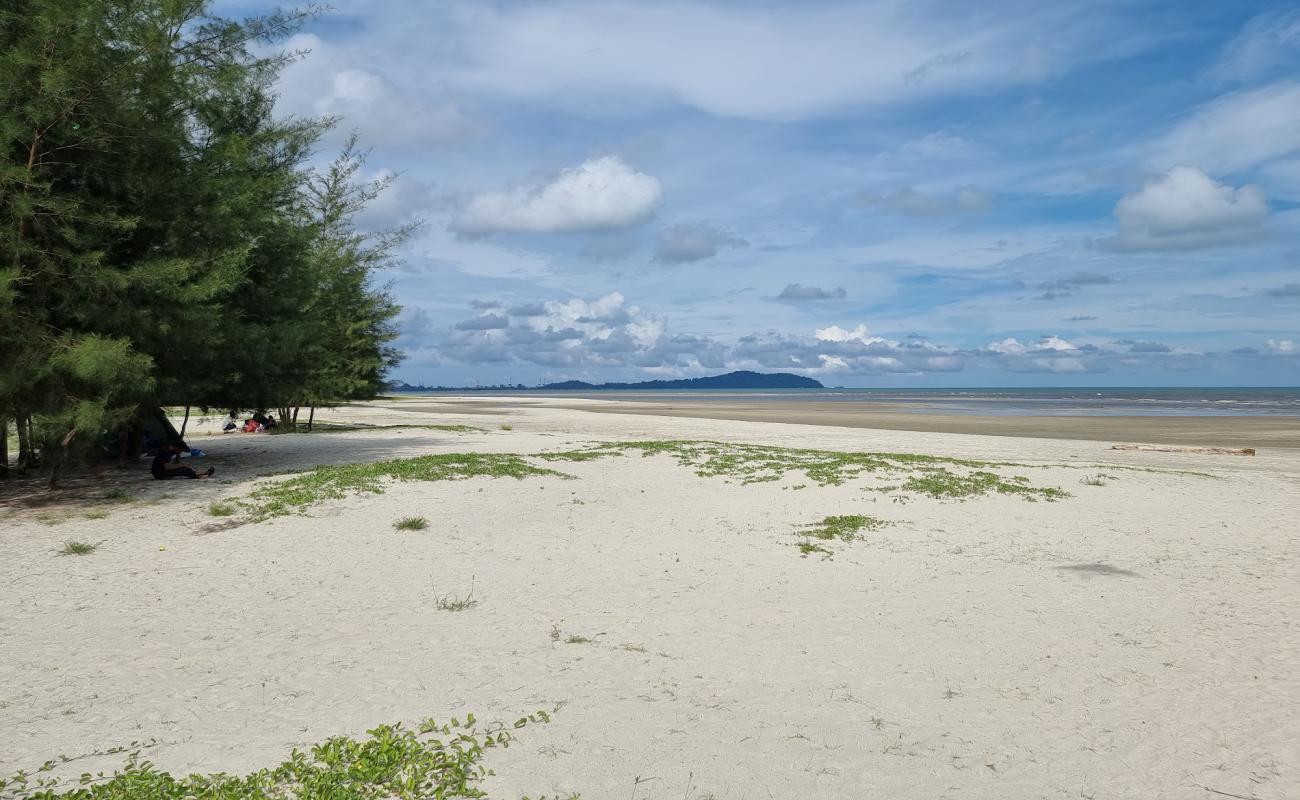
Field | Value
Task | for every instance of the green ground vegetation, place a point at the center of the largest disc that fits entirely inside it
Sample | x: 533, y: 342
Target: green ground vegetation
x: 302, y: 491
x: 437, y: 761
x: 933, y: 476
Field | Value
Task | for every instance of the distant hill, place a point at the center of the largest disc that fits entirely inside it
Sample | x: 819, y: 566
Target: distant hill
x: 743, y: 379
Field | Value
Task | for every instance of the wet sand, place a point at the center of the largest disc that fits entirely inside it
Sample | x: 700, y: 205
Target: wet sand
x: 1219, y: 431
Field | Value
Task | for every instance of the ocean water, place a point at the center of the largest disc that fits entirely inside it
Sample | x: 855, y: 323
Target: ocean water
x: 1092, y: 401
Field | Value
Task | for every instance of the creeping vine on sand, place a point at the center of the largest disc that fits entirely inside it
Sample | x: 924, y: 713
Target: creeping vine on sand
x: 933, y: 476
x: 435, y: 760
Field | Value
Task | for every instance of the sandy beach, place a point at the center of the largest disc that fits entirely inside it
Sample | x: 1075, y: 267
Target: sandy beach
x: 1134, y: 637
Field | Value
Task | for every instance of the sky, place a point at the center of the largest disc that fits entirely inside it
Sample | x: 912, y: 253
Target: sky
x: 905, y: 193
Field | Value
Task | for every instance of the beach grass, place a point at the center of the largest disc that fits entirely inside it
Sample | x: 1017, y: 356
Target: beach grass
x: 75, y: 548
x: 444, y: 760
x: 302, y: 491
x: 933, y: 476
x: 222, y: 509
x: 411, y: 524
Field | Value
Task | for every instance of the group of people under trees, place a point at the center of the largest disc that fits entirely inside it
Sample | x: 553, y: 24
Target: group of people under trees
x: 167, y: 459
x: 258, y: 423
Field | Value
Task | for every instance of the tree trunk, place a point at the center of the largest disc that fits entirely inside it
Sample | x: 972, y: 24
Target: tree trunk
x: 24, y: 443
x: 4, y: 447
x: 185, y: 422
x: 295, y: 418
x: 311, y: 417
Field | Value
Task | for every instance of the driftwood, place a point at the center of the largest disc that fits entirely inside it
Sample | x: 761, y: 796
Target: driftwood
x: 1170, y: 448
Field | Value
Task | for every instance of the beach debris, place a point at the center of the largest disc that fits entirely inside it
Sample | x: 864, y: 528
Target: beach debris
x: 1171, y: 448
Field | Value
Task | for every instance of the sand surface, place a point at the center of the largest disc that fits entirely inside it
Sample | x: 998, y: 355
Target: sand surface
x: 1135, y: 640
x: 1220, y: 431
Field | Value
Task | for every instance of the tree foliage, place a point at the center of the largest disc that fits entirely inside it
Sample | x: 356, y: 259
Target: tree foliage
x: 162, y: 237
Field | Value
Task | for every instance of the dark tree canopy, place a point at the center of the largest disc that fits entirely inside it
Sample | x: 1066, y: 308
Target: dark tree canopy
x: 162, y: 239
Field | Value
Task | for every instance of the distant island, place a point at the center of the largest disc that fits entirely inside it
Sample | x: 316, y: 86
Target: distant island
x: 743, y: 379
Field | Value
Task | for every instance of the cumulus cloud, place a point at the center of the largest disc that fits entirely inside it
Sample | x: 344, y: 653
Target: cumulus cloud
x: 908, y: 201
x: 692, y: 241
x: 797, y: 292
x: 1237, y: 132
x: 334, y: 81
x: 1048, y: 354
x: 588, y: 337
x: 600, y: 194
x: 1187, y: 209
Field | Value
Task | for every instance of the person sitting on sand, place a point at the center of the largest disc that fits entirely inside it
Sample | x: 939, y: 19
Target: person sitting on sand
x: 166, y: 465
x: 231, y: 424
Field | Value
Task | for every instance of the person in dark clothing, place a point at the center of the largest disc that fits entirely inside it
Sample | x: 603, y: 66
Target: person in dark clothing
x: 166, y: 464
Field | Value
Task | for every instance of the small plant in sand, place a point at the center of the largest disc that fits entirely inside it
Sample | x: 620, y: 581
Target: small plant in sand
x: 1093, y: 480
x: 411, y: 524
x: 808, y: 547
x: 845, y: 528
x: 935, y: 476
x: 75, y: 548
x: 448, y: 602
x: 507, y: 427
x: 221, y: 509
x: 97, y: 514
x: 117, y: 496
x: 434, y: 760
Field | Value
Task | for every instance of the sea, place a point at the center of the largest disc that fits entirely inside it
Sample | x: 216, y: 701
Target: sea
x: 1091, y: 401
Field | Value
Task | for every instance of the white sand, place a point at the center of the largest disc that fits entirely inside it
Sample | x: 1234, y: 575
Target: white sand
x: 970, y: 649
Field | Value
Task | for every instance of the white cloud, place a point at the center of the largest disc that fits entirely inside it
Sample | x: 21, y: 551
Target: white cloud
x: 1237, y: 132
x: 330, y: 81
x: 1187, y: 209
x: 599, y: 194
x: 1269, y: 43
x: 692, y: 241
x: 762, y: 61
x: 835, y: 333
x: 1282, y: 346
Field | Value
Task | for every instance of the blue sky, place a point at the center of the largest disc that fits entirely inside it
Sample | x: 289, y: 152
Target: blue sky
x: 873, y: 194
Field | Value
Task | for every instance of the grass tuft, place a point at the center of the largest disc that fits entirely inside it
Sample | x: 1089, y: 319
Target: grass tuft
x: 74, y: 548
x: 97, y: 514
x: 221, y: 509
x: 449, y: 602
x: 117, y: 496
x: 411, y: 524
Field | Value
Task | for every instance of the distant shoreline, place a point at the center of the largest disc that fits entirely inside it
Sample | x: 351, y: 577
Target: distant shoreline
x: 1264, y: 431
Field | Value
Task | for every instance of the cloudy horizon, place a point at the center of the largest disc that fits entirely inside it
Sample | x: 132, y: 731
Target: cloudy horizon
x: 870, y: 194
